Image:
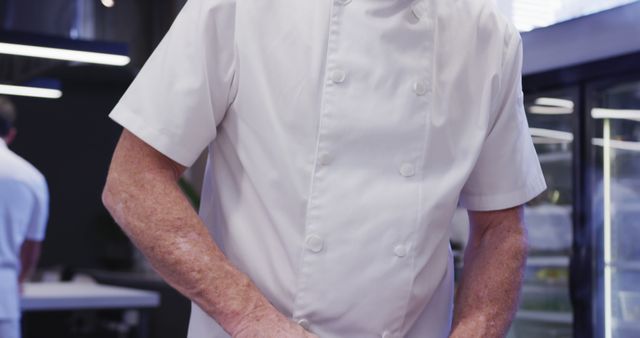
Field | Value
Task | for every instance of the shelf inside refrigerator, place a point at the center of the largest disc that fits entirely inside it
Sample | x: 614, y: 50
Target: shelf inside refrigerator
x: 625, y: 265
x: 538, y: 329
x: 547, y: 271
x: 545, y: 316
x: 545, y: 298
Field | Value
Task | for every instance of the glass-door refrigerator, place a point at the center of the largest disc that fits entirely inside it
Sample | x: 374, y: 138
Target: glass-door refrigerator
x: 614, y: 127
x: 545, y: 306
x: 582, y: 278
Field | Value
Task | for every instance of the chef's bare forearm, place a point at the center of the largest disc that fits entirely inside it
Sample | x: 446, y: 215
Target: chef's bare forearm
x: 142, y: 195
x: 494, y: 260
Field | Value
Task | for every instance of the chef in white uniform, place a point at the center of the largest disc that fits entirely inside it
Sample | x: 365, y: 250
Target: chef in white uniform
x: 341, y: 135
x: 24, y: 207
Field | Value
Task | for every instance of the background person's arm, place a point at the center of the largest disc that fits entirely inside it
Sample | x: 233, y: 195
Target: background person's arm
x: 487, y: 297
x: 142, y: 195
x: 29, y: 255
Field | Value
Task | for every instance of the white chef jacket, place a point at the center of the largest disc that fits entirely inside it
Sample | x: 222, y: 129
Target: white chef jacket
x: 24, y: 207
x: 341, y: 135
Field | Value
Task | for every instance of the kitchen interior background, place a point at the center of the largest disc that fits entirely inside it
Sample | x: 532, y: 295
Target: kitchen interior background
x: 582, y: 97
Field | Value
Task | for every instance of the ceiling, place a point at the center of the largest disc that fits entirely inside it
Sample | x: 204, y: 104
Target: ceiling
x: 138, y: 23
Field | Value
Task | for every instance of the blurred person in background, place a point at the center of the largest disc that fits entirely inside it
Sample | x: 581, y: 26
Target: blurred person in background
x: 24, y: 207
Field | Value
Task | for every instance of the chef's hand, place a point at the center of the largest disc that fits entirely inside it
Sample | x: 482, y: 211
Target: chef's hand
x: 269, y: 324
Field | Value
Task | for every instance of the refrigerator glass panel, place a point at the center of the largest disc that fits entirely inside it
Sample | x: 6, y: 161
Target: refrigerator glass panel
x: 615, y: 116
x: 545, y: 307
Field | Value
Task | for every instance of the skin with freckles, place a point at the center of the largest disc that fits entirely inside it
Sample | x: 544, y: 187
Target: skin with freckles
x: 143, y: 196
x: 494, y: 260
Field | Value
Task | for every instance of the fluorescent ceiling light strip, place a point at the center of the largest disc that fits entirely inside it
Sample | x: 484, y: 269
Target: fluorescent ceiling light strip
x: 555, y: 102
x: 64, y: 54
x: 626, y: 114
x: 551, y: 134
x: 30, y: 91
x: 617, y: 144
x: 546, y: 110
x: 108, y: 3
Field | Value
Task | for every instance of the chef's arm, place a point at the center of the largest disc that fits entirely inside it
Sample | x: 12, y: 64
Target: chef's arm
x: 143, y: 196
x: 494, y: 260
x: 29, y: 255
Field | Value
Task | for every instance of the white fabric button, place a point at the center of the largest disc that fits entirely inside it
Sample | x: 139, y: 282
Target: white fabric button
x: 419, y: 8
x: 387, y: 334
x: 315, y: 243
x: 407, y: 170
x: 420, y: 88
x: 343, y: 2
x: 338, y: 76
x: 304, y: 323
x: 324, y: 159
x: 400, y: 250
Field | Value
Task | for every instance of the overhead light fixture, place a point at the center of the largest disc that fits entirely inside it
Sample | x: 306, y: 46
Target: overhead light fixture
x: 46, y: 93
x: 49, y: 47
x: 546, y: 110
x: 108, y: 3
x: 624, y: 114
x: 64, y: 54
x: 554, y: 102
x: 563, y: 136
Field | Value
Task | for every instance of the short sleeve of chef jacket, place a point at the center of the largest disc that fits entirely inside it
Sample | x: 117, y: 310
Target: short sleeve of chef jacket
x: 507, y: 172
x: 184, y: 89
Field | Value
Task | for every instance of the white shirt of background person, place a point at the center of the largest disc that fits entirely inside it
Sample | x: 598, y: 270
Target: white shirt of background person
x: 24, y: 207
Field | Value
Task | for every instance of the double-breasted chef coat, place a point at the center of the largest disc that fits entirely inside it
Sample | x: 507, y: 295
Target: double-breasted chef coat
x: 341, y: 136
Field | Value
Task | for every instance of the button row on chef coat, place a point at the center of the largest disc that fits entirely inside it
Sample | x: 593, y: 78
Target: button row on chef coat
x: 420, y: 88
x: 407, y: 170
x: 338, y: 76
x: 400, y: 250
x: 314, y: 243
x: 419, y: 9
x: 324, y: 159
